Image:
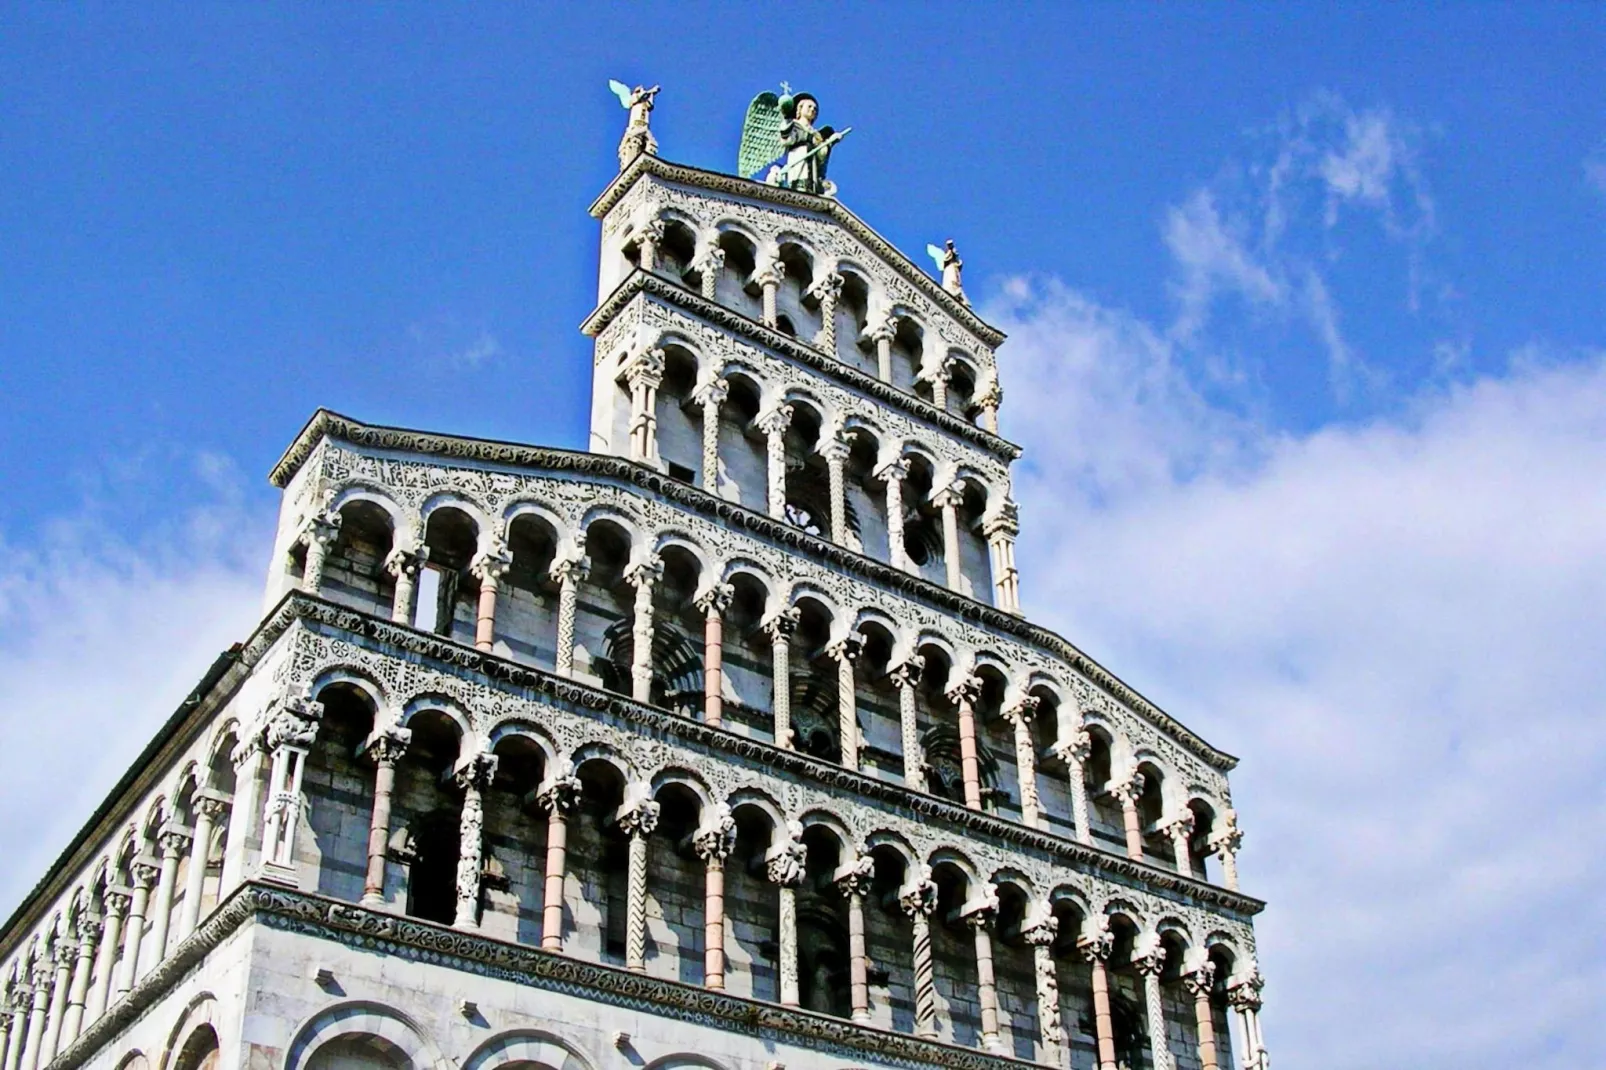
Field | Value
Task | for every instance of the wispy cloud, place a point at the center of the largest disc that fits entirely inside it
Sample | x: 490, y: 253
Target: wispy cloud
x: 449, y: 343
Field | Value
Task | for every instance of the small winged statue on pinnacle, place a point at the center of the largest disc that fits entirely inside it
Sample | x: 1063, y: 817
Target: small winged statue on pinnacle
x: 781, y: 128
x: 638, y: 136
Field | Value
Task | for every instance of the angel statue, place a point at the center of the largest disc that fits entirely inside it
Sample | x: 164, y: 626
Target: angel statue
x: 948, y: 265
x: 783, y: 128
x: 638, y: 137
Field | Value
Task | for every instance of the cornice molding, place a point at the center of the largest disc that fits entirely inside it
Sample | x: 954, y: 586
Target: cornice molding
x: 325, y: 423
x: 299, y: 606
x: 673, y: 293
x: 788, y: 198
x: 410, y: 939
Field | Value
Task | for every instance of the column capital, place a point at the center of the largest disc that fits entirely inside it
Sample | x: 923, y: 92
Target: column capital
x: 294, y: 723
x: 1229, y: 837
x: 768, y: 271
x: 387, y: 746
x: 980, y: 912
x: 640, y: 820
x: 964, y: 691
x: 145, y: 870
x: 1200, y: 980
x: 713, y: 391
x: 89, y: 927
x: 212, y: 803
x: 572, y: 568
x: 895, y: 469
x: 774, y: 420
x: 907, y: 672
x: 834, y: 446
x: 919, y: 896
x: 714, y: 600
x: 715, y: 837
x: 854, y: 877
x: 1040, y: 927
x: 63, y: 952
x: 882, y: 329
x: 559, y: 795
x: 1004, y: 520
x: 1179, y: 825
x: 645, y: 573
x: 651, y: 230
x: 1244, y: 993
x: 644, y: 369
x: 1149, y: 958
x: 989, y: 393
x: 1096, y: 945
x: 406, y: 561
x: 848, y: 648
x: 786, y: 862
x: 117, y: 901
x: 476, y: 773
x: 827, y: 287
x: 1023, y: 709
x: 172, y: 839
x: 491, y: 563
x: 953, y: 494
x: 781, y: 625
x: 1127, y: 789
x: 932, y: 371
x: 322, y: 526
x: 710, y: 258
x: 1078, y: 747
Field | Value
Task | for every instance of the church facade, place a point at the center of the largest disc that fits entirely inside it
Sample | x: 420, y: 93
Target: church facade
x: 722, y: 744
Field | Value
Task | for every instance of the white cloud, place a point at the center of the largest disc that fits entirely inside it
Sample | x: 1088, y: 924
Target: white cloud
x: 1398, y: 627
x: 100, y: 640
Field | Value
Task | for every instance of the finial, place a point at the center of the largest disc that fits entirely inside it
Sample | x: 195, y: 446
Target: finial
x: 638, y: 137
x: 948, y: 266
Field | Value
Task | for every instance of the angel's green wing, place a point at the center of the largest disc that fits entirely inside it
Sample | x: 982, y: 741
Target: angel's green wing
x: 935, y: 254
x: 621, y: 91
x: 761, y: 135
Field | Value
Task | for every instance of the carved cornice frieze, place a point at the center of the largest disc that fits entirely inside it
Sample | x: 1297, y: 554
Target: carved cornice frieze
x: 639, y: 282
x: 1101, y: 682
x: 827, y: 207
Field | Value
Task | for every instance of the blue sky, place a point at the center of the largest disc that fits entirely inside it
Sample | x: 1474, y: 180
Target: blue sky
x: 1306, y: 355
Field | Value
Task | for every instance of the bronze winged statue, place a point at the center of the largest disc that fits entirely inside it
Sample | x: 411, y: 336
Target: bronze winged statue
x: 781, y: 128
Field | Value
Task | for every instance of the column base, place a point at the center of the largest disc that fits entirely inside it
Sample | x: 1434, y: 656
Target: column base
x: 279, y: 873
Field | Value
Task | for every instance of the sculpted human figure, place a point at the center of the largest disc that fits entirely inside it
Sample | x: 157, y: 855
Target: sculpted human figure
x: 638, y: 136
x: 783, y: 127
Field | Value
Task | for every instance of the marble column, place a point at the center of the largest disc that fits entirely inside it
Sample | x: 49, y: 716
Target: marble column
x: 906, y: 677
x: 713, y: 841
x: 980, y: 921
x: 711, y: 397
x: 290, y: 734
x: 780, y: 628
x: 768, y: 275
x: 988, y: 398
x: 643, y: 576
x: 1039, y: 929
x: 964, y: 694
x: 10, y: 1035
x: 649, y: 236
x: 1096, y: 949
x: 318, y: 535
x: 948, y: 500
x: 1075, y: 752
x: 709, y: 264
x: 568, y: 571
x: 1127, y: 791
x: 117, y: 902
x: 89, y: 932
x: 1244, y: 997
x: 834, y: 448
x: 62, y: 957
x: 1179, y: 830
x: 1000, y: 529
x: 918, y: 900
x: 1020, y: 717
x: 853, y: 881
x: 488, y: 566
x: 785, y: 866
x: 405, y: 564
x: 210, y: 808
x: 773, y: 422
x: 145, y: 872
x: 385, y: 750
x: 644, y: 374
x: 1150, y: 963
x: 892, y: 474
x: 559, y: 797
x: 37, y: 1013
x: 713, y: 601
x: 828, y: 291
x: 882, y: 332
x: 1198, y: 982
x: 637, y: 823
x: 938, y: 375
x: 1225, y: 844
x: 170, y: 841
x: 845, y: 652
x: 473, y: 777
x: 245, y: 812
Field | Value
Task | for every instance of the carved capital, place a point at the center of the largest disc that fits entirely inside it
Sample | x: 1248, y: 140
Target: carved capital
x: 1127, y: 790
x: 1244, y: 993
x: 476, y: 773
x: 782, y: 625
x: 491, y: 564
x: 710, y: 260
x: 1149, y: 957
x: 714, y: 599
x: 321, y: 527
x: 951, y: 496
x: 645, y: 369
x: 1180, y: 825
x: 919, y: 897
x: 651, y: 231
x: 402, y: 561
x: 774, y: 420
x: 388, y: 746
x: 118, y: 901
x: 907, y: 672
x: 645, y: 573
x: 1077, y: 749
x: 560, y: 795
x: 640, y: 819
x: 827, y: 289
x: 1040, y: 927
x: 965, y: 691
x: 715, y: 838
x: 571, y: 569
x: 1229, y: 837
x: 785, y: 863
x: 834, y: 446
x: 854, y: 878
x: 145, y: 871
x: 895, y: 470
x: 1002, y: 522
x: 1096, y: 945
x: 848, y: 649
x: 980, y: 912
x: 89, y: 928
x: 769, y: 271
x: 1022, y: 710
x: 1200, y: 979
x: 172, y: 840
x: 882, y: 329
x: 712, y: 393
x: 214, y: 805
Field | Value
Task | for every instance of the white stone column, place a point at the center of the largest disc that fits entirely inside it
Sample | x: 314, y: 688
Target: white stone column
x: 643, y: 576
x: 918, y: 899
x: 488, y: 566
x: 710, y: 262
x: 1198, y: 982
x: 948, y: 500
x: 117, y: 902
x: 853, y: 881
x: 882, y: 332
x: 768, y: 276
x: 170, y: 842
x: 1149, y: 963
x: 979, y: 917
x: 785, y: 865
x: 906, y: 677
x: 964, y: 693
x: 773, y: 423
x: 558, y: 797
x: 62, y: 956
x: 291, y: 732
x: 649, y: 236
x: 713, y: 601
x: 10, y: 1036
x: 1225, y: 844
x: 1075, y: 752
x: 1000, y: 529
x: 385, y: 750
x: 568, y: 571
x: 1039, y: 929
x: 210, y: 808
x: 89, y: 932
x: 37, y: 1013
x: 318, y: 535
x: 1179, y: 830
x: 989, y: 396
x: 845, y: 652
x: 892, y: 474
x: 1020, y: 717
x: 779, y: 628
x: 1096, y: 947
x: 711, y: 396
x: 644, y: 374
x: 473, y: 777
x: 713, y: 841
x: 939, y: 374
x: 835, y: 450
x: 1127, y: 791
x: 1244, y: 997
x: 637, y: 823
x: 144, y: 872
x: 245, y: 812
x: 827, y: 289
x: 404, y: 564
